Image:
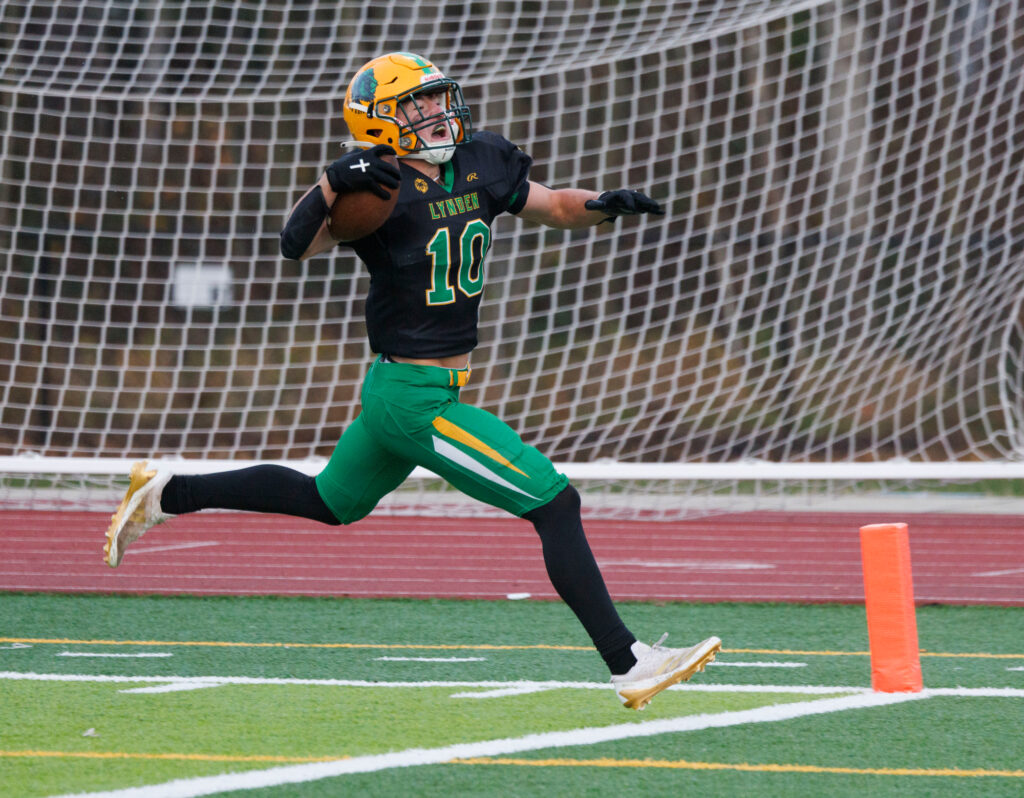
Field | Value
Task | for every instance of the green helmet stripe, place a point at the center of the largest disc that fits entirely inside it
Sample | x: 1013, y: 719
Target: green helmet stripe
x: 420, y: 61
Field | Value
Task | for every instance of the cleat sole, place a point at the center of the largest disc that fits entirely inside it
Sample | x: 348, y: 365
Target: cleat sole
x: 138, y: 477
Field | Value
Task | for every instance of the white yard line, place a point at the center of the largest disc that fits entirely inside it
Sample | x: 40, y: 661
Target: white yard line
x: 97, y: 655
x: 975, y: 692
x: 518, y: 686
x: 174, y: 687
x: 501, y: 692
x: 758, y: 664
x: 430, y: 659
x: 295, y: 774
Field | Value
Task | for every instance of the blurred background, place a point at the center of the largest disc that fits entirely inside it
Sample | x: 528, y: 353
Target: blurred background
x: 838, y: 277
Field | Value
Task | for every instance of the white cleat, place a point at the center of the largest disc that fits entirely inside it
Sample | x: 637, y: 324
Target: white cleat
x: 658, y: 667
x: 139, y: 510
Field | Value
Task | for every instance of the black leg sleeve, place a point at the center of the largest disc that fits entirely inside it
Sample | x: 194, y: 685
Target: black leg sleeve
x: 574, y: 573
x: 260, y: 489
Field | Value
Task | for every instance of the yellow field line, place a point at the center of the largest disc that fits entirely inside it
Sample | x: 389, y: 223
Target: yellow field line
x: 744, y: 766
x: 768, y: 767
x: 175, y: 757
x: 230, y: 644
x: 457, y: 647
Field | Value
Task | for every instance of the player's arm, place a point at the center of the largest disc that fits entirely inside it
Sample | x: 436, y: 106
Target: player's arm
x: 307, y: 223
x: 573, y: 208
x: 305, y: 234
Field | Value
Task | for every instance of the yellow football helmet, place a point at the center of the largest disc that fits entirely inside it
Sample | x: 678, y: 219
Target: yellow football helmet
x: 381, y: 107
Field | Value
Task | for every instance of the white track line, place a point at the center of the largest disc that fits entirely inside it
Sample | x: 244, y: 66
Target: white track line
x: 692, y: 565
x: 295, y: 774
x: 1000, y: 573
x: 144, y: 549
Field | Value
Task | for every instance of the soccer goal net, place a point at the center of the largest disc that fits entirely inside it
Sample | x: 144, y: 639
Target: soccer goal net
x: 832, y: 302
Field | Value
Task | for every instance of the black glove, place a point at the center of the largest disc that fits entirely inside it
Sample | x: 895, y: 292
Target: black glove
x: 623, y: 202
x: 363, y: 170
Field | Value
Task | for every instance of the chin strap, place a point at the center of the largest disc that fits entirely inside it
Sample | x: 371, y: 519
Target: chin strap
x: 436, y: 155
x: 355, y: 143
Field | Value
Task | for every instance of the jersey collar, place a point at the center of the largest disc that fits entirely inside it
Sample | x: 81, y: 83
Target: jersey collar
x: 447, y: 176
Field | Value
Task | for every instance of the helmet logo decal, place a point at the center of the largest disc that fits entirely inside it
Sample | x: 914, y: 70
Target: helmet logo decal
x: 364, y: 87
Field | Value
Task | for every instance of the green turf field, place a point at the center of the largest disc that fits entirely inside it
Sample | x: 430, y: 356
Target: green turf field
x: 320, y: 697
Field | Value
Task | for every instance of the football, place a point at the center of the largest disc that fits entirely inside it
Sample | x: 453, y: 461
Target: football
x: 356, y: 214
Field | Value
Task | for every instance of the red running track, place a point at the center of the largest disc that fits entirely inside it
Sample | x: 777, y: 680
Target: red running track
x: 767, y: 556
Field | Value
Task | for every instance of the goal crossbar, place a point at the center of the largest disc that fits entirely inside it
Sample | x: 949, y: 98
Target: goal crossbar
x: 754, y: 471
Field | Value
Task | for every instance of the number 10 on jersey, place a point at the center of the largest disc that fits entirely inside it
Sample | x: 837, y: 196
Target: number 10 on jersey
x: 468, y: 255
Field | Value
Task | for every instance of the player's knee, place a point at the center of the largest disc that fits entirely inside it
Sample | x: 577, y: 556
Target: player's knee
x: 353, y: 514
x: 567, y: 501
x: 562, y: 512
x: 345, y: 515
x: 344, y: 509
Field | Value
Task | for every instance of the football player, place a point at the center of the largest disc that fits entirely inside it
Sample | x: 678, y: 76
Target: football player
x: 426, y: 265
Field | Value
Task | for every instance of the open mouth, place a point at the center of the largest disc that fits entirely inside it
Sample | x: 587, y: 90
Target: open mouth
x: 440, y: 132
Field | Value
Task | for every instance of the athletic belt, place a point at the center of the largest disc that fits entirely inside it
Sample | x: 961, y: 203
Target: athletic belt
x: 457, y: 378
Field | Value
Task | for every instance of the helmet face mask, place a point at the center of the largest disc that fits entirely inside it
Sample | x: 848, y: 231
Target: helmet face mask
x: 413, y: 119
x: 385, y: 104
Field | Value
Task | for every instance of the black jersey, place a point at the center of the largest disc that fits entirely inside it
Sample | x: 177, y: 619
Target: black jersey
x: 426, y: 262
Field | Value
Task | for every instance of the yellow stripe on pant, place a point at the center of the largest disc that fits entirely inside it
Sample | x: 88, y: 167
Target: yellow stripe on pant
x: 450, y: 430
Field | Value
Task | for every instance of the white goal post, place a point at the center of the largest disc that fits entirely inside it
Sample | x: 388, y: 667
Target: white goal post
x: 836, y: 294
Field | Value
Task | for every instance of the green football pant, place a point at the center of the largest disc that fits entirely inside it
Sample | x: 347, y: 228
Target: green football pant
x: 411, y: 416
